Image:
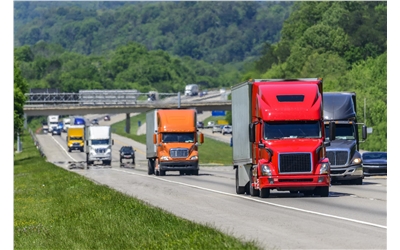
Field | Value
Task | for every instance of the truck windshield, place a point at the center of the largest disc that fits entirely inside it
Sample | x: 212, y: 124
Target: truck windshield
x: 298, y: 129
x: 75, y: 138
x: 343, y: 131
x: 100, y: 142
x: 178, y: 137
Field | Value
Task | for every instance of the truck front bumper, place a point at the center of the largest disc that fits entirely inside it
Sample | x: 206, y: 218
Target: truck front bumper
x: 179, y: 165
x: 283, y: 183
x: 99, y: 158
x: 347, y: 173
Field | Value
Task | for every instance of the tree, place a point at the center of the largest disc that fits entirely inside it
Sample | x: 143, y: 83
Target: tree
x: 20, y: 88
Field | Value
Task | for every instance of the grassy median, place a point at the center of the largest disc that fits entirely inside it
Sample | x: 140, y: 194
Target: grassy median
x: 58, y: 209
x: 211, y: 151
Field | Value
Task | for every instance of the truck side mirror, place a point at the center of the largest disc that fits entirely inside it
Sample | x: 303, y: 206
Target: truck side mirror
x: 201, y: 138
x: 154, y: 138
x: 252, y: 134
x: 332, y: 130
x: 364, y: 132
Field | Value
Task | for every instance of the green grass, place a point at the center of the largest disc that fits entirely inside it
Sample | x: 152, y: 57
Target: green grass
x: 58, y: 209
x: 210, y: 152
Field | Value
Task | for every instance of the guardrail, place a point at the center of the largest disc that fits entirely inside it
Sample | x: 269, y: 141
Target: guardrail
x: 36, y: 142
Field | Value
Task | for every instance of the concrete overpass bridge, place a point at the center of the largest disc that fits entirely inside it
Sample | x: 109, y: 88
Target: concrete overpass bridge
x: 68, y: 104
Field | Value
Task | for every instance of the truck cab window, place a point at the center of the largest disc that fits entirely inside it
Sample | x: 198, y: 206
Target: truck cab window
x: 343, y: 131
x: 298, y: 129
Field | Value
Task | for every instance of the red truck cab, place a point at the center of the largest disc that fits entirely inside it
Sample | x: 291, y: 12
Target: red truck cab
x: 286, y: 137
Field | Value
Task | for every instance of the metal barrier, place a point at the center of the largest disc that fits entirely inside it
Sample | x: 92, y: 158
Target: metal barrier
x: 36, y: 142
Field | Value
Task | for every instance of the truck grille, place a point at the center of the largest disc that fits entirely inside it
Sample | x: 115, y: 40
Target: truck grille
x: 337, y: 157
x: 100, y: 150
x: 295, y: 163
x: 179, y: 152
x: 76, y: 144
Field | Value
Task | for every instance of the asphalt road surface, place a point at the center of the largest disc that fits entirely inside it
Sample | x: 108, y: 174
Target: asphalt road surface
x: 352, y: 217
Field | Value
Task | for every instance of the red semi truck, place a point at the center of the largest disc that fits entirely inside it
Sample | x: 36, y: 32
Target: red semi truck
x: 279, y: 137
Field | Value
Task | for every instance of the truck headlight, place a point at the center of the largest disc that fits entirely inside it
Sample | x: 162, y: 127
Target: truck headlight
x: 164, y: 158
x: 92, y: 152
x: 324, y: 168
x: 356, y: 161
x: 195, y: 157
x: 265, y: 170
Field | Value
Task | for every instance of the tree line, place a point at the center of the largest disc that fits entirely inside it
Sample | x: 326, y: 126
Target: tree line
x: 343, y: 42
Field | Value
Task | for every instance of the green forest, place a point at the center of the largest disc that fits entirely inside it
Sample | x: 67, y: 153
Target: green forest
x: 163, y: 46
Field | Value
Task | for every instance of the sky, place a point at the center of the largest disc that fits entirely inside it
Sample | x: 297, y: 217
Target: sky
x: 7, y: 226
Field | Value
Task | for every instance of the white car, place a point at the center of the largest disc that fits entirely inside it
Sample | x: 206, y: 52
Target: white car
x: 217, y: 129
x: 227, y: 129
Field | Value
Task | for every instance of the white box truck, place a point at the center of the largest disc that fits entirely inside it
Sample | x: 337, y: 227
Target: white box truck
x: 66, y: 124
x: 192, y: 89
x: 98, y: 144
x: 52, y: 122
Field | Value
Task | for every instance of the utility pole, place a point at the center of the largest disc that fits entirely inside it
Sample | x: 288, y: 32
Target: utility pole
x: 365, y: 110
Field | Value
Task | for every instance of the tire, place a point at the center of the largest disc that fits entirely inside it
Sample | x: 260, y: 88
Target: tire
x: 69, y: 150
x: 239, y: 190
x: 264, y: 193
x: 150, y: 167
x: 195, y: 172
x: 162, y: 172
x: 358, y: 181
x: 323, y: 191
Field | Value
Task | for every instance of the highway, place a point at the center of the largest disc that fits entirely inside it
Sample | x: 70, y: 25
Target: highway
x: 352, y: 217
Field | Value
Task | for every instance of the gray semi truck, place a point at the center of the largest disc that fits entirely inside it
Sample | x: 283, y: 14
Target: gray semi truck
x: 343, y: 152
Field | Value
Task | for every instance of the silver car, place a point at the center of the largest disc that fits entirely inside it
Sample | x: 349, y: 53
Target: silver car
x: 227, y: 129
x: 217, y: 129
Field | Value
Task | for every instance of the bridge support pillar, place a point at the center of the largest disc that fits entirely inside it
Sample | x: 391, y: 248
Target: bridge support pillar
x: 25, y: 121
x: 128, y: 123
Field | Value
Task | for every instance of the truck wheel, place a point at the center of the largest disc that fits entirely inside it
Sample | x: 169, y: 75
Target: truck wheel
x: 195, y: 172
x: 253, y: 191
x: 358, y: 181
x: 162, y: 172
x: 323, y: 191
x: 69, y: 150
x: 264, y: 193
x: 150, y: 167
x: 239, y: 190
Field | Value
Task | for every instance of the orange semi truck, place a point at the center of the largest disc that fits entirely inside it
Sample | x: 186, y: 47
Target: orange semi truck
x: 172, y: 141
x: 279, y: 137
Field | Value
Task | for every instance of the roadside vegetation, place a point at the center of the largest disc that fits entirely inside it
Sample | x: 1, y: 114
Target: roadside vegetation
x: 58, y: 209
x: 207, y: 150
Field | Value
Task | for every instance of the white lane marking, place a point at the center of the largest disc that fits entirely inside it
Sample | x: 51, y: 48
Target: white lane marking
x: 256, y: 200
x: 63, y: 148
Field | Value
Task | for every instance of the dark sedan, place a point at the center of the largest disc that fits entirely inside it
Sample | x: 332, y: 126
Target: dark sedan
x: 374, y: 163
x: 128, y: 153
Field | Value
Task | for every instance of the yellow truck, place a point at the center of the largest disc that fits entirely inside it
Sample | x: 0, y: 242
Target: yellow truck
x: 75, y: 137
